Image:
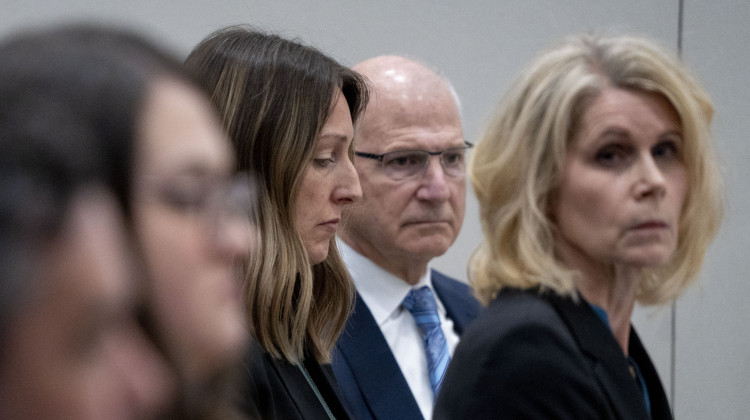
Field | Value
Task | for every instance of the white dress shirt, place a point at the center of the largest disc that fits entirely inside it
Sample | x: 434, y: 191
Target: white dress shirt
x: 383, y: 293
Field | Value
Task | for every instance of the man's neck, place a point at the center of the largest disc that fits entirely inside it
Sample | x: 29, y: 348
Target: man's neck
x: 409, y: 270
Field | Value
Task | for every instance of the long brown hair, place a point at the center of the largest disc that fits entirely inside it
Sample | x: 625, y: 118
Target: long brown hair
x: 274, y: 96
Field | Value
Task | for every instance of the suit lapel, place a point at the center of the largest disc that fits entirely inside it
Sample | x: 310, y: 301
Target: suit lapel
x: 303, y: 397
x: 659, y: 402
x: 457, y: 299
x: 608, y: 361
x: 374, y: 368
x: 293, y: 381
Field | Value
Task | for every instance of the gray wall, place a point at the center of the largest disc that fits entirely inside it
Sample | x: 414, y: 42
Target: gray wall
x: 700, y: 343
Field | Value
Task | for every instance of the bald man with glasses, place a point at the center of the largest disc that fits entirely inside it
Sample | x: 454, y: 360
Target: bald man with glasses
x: 411, y: 160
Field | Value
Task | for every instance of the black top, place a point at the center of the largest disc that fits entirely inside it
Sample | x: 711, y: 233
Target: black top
x: 277, y: 389
x: 532, y: 355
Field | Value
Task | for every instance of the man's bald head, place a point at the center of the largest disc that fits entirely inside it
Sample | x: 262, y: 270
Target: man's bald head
x: 392, y: 71
x: 403, y: 223
x: 400, y: 85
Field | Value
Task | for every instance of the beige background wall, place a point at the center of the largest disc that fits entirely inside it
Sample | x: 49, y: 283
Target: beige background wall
x: 701, y: 344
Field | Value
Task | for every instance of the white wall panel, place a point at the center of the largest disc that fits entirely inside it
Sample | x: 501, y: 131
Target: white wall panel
x: 712, y: 364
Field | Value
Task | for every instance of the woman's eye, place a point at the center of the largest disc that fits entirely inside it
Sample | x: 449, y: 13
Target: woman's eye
x: 185, y: 199
x: 611, y: 156
x: 324, y: 162
x: 666, y: 149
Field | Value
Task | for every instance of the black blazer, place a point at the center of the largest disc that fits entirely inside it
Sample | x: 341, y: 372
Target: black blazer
x: 368, y: 375
x: 276, y: 389
x: 544, y: 356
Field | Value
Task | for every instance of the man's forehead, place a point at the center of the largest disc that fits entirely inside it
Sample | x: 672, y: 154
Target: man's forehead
x: 436, y: 136
x: 387, y: 66
x: 431, y: 111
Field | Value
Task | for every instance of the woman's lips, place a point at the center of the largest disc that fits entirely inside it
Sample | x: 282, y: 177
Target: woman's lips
x: 647, y: 231
x: 331, y: 225
x: 650, y: 225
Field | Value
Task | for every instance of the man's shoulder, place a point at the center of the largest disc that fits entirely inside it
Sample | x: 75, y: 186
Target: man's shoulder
x: 457, y: 298
x: 445, y: 283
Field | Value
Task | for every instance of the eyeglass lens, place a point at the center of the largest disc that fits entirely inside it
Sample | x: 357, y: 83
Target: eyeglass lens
x: 408, y: 163
x: 235, y: 198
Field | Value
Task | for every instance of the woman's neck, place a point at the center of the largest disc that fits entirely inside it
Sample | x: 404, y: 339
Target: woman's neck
x: 613, y: 290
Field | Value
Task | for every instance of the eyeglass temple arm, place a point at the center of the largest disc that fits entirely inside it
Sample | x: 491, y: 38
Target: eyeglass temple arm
x: 369, y: 155
x: 467, y: 145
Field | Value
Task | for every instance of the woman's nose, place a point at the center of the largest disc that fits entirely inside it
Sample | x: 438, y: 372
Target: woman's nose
x: 651, y: 180
x: 349, y: 190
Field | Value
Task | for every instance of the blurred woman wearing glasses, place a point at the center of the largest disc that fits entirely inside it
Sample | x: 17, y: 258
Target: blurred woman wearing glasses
x: 290, y: 111
x: 70, y: 345
x: 171, y: 166
x: 598, y: 188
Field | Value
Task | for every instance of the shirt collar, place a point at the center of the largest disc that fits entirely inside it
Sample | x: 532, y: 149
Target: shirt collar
x: 384, y: 295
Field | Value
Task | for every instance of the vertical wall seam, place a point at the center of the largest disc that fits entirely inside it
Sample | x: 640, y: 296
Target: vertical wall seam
x: 673, y: 356
x: 680, y: 18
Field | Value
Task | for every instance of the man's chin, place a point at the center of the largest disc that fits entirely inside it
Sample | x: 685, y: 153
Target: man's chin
x: 428, y: 248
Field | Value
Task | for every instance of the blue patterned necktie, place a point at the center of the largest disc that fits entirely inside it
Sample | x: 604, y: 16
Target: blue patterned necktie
x: 421, y: 303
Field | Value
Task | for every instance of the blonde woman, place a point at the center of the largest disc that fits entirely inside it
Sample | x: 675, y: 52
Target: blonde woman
x: 598, y: 188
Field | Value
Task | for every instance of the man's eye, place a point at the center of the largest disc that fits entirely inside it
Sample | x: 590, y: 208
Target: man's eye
x: 404, y: 160
x: 453, y: 158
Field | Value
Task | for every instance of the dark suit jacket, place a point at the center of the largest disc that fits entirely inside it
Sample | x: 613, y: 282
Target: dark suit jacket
x: 276, y: 389
x: 543, y: 356
x: 368, y: 375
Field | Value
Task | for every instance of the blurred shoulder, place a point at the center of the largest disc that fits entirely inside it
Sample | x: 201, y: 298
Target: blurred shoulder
x: 512, y: 314
x: 442, y: 280
x: 521, y: 349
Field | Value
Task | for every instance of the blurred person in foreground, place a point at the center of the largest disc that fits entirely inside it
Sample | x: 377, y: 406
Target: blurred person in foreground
x: 171, y: 166
x: 411, y: 157
x: 598, y: 188
x: 290, y: 111
x: 70, y: 344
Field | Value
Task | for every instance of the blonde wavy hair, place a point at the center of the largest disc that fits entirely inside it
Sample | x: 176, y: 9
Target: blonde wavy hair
x: 274, y: 96
x: 518, y: 162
